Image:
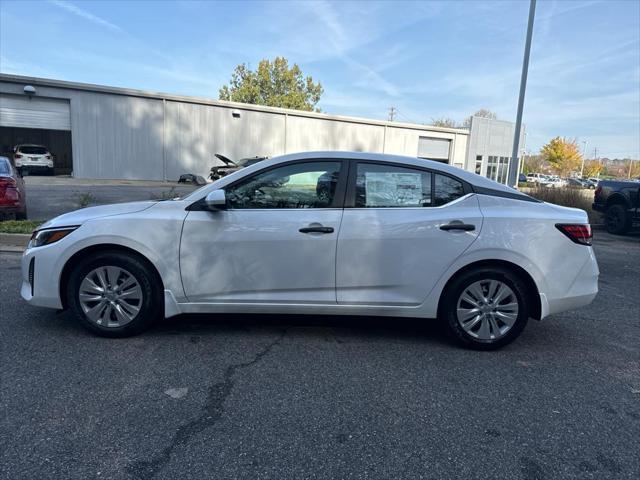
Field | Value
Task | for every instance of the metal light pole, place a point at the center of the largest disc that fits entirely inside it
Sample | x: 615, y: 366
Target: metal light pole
x: 584, y: 153
x: 513, y: 171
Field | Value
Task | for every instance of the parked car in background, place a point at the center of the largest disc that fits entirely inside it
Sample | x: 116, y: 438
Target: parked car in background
x: 13, y: 198
x: 29, y: 158
x: 230, y: 166
x: 393, y: 236
x: 537, y: 178
x: 556, y: 182
x: 522, y: 178
x: 590, y: 183
x: 619, y: 201
x: 575, y: 183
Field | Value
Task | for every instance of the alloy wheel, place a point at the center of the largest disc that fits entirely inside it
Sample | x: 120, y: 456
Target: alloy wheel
x: 110, y: 296
x: 487, y: 309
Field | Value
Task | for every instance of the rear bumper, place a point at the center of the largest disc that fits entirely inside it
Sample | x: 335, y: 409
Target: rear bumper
x: 580, y: 293
x: 34, y: 167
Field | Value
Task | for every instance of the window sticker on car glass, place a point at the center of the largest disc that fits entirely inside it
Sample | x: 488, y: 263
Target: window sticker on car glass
x: 384, y: 189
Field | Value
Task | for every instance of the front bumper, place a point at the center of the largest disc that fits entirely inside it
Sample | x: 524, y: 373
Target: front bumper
x: 40, y: 283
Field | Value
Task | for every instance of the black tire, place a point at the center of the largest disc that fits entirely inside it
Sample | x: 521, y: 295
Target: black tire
x: 449, y: 305
x: 151, y: 305
x: 617, y: 220
x: 21, y: 215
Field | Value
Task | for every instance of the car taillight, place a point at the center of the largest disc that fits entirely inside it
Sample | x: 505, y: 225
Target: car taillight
x: 7, y: 182
x: 48, y: 157
x: 17, y: 155
x: 577, y: 232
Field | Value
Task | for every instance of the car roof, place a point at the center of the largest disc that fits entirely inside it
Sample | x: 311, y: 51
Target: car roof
x: 469, y: 177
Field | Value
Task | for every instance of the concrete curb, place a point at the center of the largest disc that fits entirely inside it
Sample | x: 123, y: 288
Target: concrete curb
x: 13, y: 242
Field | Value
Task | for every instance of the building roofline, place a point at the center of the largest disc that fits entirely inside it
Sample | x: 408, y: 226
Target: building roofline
x: 48, y: 82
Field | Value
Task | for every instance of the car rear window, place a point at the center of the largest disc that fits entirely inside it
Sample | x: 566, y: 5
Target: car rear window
x: 33, y: 150
x: 4, y: 167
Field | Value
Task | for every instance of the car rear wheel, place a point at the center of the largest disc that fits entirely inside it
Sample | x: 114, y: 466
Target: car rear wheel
x: 616, y: 219
x: 114, y: 294
x: 486, y: 308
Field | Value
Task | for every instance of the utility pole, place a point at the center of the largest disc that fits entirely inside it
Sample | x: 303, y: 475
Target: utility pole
x: 513, y: 171
x: 392, y: 113
x: 584, y: 153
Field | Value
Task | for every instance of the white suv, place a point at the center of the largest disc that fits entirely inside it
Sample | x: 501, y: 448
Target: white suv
x: 30, y: 158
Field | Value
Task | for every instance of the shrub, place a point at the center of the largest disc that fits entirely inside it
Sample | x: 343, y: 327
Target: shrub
x: 567, y: 197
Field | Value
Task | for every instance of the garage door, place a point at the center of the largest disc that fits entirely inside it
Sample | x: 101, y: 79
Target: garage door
x: 35, y: 112
x: 434, y: 148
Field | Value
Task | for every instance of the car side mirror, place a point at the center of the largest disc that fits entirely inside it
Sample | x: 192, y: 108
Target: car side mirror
x: 216, y: 200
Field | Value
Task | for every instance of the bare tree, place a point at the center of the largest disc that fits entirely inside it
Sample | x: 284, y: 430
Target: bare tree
x: 483, y: 112
x: 443, y: 122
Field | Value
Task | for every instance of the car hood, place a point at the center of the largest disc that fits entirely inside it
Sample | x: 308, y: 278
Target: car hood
x: 78, y: 217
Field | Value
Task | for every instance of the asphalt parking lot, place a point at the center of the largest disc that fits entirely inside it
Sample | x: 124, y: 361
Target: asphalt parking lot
x: 48, y: 197
x: 324, y: 397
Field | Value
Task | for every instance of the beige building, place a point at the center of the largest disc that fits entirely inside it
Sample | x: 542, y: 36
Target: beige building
x: 105, y: 132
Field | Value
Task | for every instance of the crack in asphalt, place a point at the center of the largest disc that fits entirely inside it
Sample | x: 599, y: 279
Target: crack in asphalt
x: 213, y: 411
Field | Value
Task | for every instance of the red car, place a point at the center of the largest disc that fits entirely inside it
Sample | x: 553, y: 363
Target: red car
x: 13, y: 198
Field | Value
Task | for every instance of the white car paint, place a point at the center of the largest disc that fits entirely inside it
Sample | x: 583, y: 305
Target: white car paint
x: 382, y: 261
x: 24, y: 157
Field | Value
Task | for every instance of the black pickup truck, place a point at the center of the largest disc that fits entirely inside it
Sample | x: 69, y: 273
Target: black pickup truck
x: 620, y: 203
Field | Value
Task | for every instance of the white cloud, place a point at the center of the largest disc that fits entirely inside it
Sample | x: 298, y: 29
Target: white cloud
x: 74, y: 9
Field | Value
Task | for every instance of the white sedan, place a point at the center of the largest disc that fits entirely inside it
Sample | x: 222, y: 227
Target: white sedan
x: 321, y: 233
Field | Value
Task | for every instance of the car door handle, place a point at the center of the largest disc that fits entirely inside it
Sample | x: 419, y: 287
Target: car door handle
x: 458, y: 225
x: 316, y: 230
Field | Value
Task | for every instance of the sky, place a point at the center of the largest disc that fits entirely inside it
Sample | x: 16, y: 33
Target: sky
x: 427, y: 59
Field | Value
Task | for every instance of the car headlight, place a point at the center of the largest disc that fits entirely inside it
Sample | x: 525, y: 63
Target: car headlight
x: 49, y: 236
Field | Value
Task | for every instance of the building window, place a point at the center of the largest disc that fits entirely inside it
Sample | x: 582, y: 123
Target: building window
x: 492, y: 167
x: 478, y: 164
x: 497, y: 168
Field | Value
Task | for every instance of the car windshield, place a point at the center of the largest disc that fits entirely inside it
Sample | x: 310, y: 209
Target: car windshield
x: 33, y: 150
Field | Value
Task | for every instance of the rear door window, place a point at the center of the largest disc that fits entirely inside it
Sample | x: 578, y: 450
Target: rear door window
x: 387, y: 186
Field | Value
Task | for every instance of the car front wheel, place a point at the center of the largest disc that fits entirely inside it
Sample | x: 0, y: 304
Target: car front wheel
x: 114, y: 294
x: 486, y: 308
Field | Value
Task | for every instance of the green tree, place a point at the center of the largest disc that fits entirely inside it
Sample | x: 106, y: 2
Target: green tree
x: 562, y: 155
x: 443, y: 122
x: 483, y: 112
x: 273, y: 84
